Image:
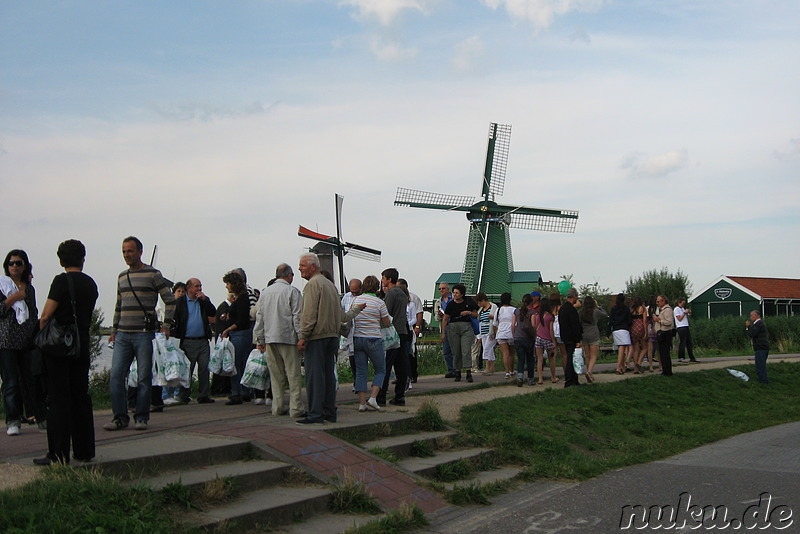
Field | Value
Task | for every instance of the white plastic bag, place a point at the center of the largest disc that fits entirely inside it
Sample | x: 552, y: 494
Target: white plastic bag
x: 739, y: 374
x: 223, y: 360
x: 577, y: 361
x: 255, y: 373
x: 133, y: 375
x: 175, y: 363
x: 158, y: 361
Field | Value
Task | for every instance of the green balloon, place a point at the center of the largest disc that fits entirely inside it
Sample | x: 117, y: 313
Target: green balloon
x: 564, y: 286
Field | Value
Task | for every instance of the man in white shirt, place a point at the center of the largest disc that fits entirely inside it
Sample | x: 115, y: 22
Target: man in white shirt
x: 682, y: 326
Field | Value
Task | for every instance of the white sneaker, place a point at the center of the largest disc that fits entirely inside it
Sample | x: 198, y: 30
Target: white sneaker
x: 267, y: 402
x: 13, y: 430
x: 170, y: 401
x: 373, y: 404
x: 362, y: 407
x: 258, y: 402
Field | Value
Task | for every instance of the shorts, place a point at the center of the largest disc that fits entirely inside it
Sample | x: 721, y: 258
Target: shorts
x: 622, y: 338
x: 543, y: 343
x: 506, y: 341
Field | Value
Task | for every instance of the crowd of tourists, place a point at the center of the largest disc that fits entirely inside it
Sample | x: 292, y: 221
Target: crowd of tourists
x: 376, y: 323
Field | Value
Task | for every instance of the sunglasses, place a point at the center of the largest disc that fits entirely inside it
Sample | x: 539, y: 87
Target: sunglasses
x: 16, y: 263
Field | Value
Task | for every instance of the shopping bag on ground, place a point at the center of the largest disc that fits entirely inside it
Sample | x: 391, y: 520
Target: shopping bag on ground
x: 255, y: 373
x: 223, y: 361
x: 577, y: 362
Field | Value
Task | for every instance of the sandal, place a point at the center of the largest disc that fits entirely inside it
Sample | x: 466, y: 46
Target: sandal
x: 589, y: 377
x: 554, y: 380
x: 540, y: 382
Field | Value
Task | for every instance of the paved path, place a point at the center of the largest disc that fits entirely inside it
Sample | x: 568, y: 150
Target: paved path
x: 312, y: 448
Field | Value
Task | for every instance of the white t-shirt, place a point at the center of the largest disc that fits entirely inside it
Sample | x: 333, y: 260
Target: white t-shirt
x: 505, y: 316
x: 680, y: 322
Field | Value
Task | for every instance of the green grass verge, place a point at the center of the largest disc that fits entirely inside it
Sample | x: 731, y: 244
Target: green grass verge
x: 77, y: 500
x: 579, y: 433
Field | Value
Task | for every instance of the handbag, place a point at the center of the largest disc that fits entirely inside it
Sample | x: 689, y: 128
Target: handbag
x: 150, y: 319
x: 59, y: 340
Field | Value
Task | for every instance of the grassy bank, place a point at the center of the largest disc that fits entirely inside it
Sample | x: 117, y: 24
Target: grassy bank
x: 579, y: 433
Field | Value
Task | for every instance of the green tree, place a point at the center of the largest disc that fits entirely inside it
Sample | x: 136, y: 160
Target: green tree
x: 663, y: 282
x: 95, y: 334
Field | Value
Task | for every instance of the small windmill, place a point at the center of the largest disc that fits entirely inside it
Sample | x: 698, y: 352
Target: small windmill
x: 488, y: 264
x: 330, y: 246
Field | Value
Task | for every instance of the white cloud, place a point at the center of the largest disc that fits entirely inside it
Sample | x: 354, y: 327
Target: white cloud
x: 385, y: 11
x: 580, y: 35
x: 468, y: 54
x: 389, y: 50
x: 204, y: 111
x: 641, y: 166
x: 791, y: 151
x: 541, y: 13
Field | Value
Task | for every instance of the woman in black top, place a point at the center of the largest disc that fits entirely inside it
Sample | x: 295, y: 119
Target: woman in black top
x: 457, y: 322
x: 69, y: 416
x: 240, y: 332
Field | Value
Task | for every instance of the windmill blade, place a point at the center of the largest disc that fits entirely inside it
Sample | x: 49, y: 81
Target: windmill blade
x: 302, y: 231
x: 547, y: 220
x: 415, y: 198
x: 362, y: 252
x: 496, y: 160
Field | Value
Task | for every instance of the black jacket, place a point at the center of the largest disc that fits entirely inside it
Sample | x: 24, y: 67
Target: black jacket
x: 619, y: 318
x: 758, y: 334
x: 569, y: 324
x: 178, y: 327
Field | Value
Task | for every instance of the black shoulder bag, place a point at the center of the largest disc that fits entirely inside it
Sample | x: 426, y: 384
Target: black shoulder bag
x: 61, y: 341
x: 150, y: 319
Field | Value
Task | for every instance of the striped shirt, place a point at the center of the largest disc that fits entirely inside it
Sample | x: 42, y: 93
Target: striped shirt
x: 148, y: 284
x: 368, y: 322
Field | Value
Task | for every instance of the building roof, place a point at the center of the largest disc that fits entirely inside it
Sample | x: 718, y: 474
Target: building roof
x: 518, y: 277
x: 450, y: 278
x: 770, y: 288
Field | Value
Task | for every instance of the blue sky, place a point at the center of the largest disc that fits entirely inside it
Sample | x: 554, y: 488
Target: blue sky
x: 214, y: 128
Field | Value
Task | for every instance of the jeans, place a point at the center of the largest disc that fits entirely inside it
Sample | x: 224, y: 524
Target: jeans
x: 527, y: 356
x: 761, y: 365
x: 369, y: 349
x: 242, y: 342
x: 320, y: 358
x: 127, y: 346
x: 447, y: 354
x: 9, y: 371
x: 685, y: 342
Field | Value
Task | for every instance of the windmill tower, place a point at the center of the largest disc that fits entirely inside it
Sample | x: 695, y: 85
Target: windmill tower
x: 329, y: 247
x: 488, y: 264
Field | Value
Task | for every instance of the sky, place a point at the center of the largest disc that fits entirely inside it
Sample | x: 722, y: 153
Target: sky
x: 212, y: 129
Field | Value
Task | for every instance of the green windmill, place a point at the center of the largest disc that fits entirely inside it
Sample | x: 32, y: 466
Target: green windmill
x: 488, y: 265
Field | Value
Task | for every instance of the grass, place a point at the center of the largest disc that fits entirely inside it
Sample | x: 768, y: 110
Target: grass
x: 428, y: 418
x: 350, y: 497
x: 385, y: 454
x: 475, y: 492
x: 86, y: 501
x: 404, y: 519
x: 579, y: 433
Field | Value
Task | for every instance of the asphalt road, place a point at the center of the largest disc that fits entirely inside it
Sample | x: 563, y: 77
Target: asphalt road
x: 751, y: 480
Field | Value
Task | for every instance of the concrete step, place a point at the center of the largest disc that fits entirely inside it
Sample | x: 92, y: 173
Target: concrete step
x: 266, y: 508
x: 427, y: 467
x: 249, y: 475
x: 401, y: 445
x: 132, y: 458
x: 486, y: 477
x: 326, y: 524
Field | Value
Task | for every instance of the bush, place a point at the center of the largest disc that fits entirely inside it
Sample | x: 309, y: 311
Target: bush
x: 729, y: 334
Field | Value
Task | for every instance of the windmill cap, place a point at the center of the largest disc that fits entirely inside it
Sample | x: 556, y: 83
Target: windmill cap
x: 535, y: 294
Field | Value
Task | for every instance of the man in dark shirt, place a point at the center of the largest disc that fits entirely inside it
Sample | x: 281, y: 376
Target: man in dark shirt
x: 194, y: 314
x: 396, y: 302
x: 571, y: 332
x: 757, y: 331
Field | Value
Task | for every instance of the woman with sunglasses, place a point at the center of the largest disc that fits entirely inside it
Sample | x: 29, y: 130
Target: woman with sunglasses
x: 18, y: 318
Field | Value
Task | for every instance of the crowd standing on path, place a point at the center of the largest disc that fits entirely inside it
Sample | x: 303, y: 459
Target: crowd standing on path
x: 375, y: 324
